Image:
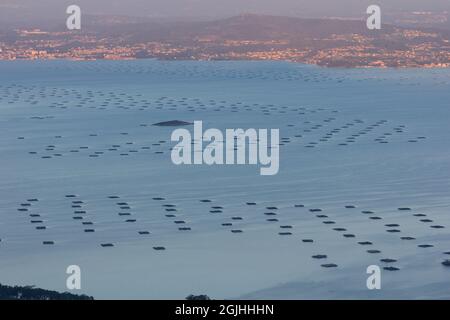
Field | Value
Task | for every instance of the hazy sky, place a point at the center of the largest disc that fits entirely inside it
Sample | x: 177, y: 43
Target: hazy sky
x: 218, y: 8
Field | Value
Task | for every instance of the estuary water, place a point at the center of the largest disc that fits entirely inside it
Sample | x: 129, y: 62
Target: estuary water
x: 86, y: 179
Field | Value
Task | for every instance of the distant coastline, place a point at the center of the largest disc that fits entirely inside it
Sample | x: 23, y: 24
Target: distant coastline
x: 323, y: 42
x: 241, y: 60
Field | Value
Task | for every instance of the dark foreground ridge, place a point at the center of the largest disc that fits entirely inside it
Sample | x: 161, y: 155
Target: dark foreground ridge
x: 32, y: 293
x: 172, y: 123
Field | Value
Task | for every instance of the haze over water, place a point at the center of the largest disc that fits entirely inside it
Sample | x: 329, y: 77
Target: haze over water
x: 363, y: 180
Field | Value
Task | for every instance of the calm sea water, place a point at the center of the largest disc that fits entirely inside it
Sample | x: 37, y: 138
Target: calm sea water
x: 356, y: 144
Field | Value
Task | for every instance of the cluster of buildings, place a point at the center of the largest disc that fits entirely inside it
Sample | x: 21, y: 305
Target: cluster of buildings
x: 403, y: 48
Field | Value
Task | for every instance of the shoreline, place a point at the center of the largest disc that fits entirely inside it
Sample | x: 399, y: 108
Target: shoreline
x: 238, y: 60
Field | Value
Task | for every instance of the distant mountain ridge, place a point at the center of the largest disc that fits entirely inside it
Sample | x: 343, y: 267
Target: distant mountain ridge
x: 242, y: 27
x: 329, y: 42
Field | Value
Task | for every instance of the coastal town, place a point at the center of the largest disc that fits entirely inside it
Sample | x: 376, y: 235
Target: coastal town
x: 401, y: 47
